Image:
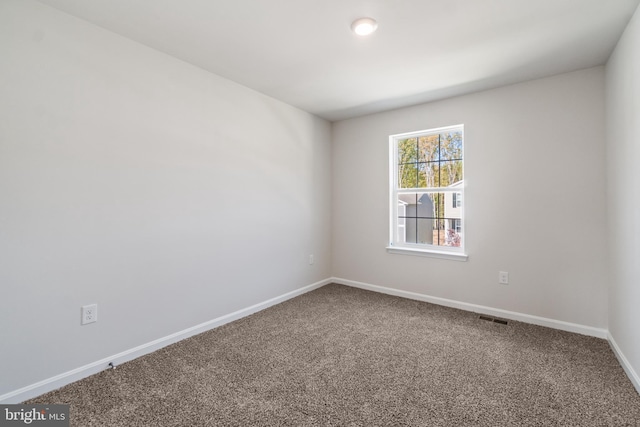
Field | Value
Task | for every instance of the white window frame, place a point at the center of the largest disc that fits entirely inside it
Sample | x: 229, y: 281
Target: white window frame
x: 400, y: 246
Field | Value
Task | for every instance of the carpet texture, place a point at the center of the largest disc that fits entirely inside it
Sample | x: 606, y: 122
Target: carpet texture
x: 340, y: 356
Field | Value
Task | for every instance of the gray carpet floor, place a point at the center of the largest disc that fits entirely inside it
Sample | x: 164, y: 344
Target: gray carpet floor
x: 340, y: 356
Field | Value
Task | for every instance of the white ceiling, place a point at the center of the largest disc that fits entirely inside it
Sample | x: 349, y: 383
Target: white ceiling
x: 304, y: 53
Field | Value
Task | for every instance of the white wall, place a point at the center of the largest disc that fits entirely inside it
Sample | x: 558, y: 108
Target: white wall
x: 534, y: 200
x: 623, y: 191
x: 165, y: 194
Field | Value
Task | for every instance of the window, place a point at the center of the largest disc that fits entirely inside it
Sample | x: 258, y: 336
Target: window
x: 427, y: 187
x: 457, y: 200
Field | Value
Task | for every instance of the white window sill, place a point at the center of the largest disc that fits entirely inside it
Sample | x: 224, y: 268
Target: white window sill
x: 455, y: 256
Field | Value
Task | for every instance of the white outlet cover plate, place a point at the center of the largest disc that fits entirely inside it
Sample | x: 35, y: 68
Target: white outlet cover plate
x: 89, y: 314
x: 503, y: 277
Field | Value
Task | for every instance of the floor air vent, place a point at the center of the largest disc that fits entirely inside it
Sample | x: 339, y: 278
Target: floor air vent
x: 493, y: 319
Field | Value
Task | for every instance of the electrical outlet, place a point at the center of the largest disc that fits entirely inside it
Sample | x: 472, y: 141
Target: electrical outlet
x: 89, y: 313
x: 311, y: 259
x: 503, y: 277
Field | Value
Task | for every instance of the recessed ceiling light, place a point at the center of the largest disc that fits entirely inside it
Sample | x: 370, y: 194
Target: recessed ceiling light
x: 364, y: 26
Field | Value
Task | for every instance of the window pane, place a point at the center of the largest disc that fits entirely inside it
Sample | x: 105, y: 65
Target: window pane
x: 427, y: 173
x: 418, y: 175
x: 408, y: 233
x: 408, y: 175
x: 407, y: 151
x: 451, y: 146
x: 428, y: 218
x: 453, y: 236
x: 425, y: 234
x: 430, y: 161
x: 428, y: 148
x: 449, y: 173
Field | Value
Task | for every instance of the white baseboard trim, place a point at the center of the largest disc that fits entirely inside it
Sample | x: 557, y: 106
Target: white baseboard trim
x: 511, y: 315
x: 65, y: 378
x: 631, y: 373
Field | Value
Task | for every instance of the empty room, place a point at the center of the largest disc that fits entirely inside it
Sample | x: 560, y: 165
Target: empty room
x: 304, y: 212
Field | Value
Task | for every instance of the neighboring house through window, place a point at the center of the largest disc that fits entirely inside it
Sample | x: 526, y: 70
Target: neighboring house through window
x: 427, y: 188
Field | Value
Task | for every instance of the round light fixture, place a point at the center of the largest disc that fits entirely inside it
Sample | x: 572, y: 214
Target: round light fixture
x: 364, y: 26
